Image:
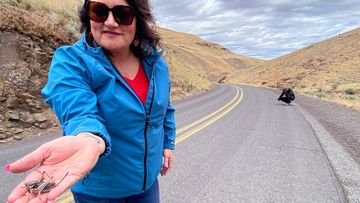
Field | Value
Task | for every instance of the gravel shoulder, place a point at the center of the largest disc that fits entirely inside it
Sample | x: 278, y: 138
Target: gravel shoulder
x: 343, y: 123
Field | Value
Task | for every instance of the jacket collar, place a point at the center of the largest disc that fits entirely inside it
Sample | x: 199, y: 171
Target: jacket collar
x: 153, y: 57
x: 86, y: 47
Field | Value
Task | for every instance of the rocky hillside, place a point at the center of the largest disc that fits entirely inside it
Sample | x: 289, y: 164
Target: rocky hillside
x: 329, y: 70
x: 26, y: 48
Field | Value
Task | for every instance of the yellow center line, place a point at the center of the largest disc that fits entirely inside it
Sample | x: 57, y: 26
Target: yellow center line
x: 208, y: 116
x: 191, y: 133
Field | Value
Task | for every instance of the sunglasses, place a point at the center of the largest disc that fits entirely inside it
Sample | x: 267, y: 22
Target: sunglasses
x: 99, y: 12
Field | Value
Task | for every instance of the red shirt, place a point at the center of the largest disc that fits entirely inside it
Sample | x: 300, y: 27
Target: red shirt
x: 140, y: 84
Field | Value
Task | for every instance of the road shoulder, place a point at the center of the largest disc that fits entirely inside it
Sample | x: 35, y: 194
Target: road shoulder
x: 344, y: 165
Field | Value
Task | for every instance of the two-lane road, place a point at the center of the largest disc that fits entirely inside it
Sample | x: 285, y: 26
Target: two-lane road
x: 260, y: 151
x: 235, y: 145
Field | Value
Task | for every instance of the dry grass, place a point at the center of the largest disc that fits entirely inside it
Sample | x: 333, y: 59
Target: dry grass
x: 31, y: 24
x: 328, y: 70
x: 195, y: 63
x: 62, y: 13
x: 64, y: 7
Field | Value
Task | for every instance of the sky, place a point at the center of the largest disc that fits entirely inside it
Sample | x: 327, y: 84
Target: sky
x: 259, y: 28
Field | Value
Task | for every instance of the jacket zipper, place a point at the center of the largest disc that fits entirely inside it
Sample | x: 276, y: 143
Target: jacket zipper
x: 147, y: 121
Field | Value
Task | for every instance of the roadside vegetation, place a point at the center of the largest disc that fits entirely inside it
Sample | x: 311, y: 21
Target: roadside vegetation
x: 328, y: 70
x: 62, y: 13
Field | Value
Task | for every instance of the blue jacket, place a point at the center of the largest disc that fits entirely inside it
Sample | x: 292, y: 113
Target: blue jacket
x: 88, y: 94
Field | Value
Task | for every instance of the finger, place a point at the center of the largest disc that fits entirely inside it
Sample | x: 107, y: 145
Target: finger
x: 20, y: 190
x: 24, y: 199
x: 28, y: 162
x: 166, y: 162
x: 68, y: 181
x: 164, y: 171
x: 42, y: 198
x: 171, y: 161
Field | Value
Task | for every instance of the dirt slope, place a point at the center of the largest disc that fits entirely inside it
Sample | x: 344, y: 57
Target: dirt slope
x: 329, y: 69
x: 194, y: 62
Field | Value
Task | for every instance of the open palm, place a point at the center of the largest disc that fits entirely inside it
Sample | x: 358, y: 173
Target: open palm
x: 73, y: 154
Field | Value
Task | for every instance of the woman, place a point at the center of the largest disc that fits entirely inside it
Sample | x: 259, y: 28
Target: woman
x: 110, y: 92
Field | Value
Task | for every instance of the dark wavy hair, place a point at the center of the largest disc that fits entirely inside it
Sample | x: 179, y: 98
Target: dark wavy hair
x: 145, y: 26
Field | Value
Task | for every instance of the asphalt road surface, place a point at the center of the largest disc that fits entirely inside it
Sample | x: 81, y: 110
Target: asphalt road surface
x: 238, y: 144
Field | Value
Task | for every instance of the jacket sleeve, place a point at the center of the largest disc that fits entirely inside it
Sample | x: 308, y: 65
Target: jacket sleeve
x: 69, y: 94
x: 169, y: 128
x: 169, y: 121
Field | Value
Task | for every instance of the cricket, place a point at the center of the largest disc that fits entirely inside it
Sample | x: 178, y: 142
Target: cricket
x: 43, y: 185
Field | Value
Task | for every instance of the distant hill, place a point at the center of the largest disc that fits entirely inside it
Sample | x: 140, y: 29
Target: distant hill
x: 329, y: 70
x: 30, y: 31
x: 194, y: 62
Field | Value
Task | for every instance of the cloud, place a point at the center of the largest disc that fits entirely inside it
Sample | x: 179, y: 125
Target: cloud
x: 262, y: 29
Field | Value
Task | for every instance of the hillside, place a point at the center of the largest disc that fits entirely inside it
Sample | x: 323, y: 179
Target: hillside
x: 194, y: 63
x: 27, y: 45
x: 329, y: 70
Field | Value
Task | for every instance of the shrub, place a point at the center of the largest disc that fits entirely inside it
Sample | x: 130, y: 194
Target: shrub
x: 335, y: 85
x: 27, y: 6
x: 350, y: 91
x: 320, y: 95
x: 350, y: 97
x: 12, y: 2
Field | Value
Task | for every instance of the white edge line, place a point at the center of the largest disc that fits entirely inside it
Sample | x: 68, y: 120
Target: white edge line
x: 344, y: 166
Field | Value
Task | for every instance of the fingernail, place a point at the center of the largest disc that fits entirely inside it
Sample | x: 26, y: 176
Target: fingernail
x: 166, y: 165
x: 50, y: 201
x: 7, y: 168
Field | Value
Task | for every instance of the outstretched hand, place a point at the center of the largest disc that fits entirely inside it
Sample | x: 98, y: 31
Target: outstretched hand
x: 76, y: 155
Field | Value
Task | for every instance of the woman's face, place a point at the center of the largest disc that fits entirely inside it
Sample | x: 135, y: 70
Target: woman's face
x: 109, y: 34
